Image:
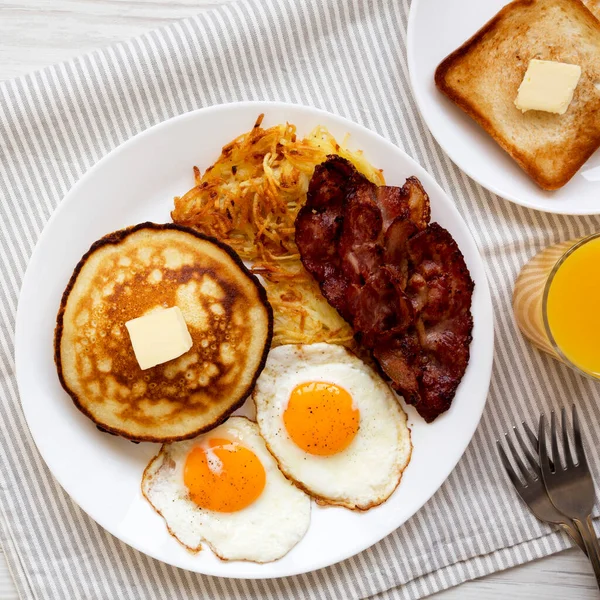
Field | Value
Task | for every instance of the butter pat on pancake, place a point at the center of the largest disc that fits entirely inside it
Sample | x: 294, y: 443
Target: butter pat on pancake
x: 224, y: 488
x: 159, y: 337
x: 334, y: 426
x: 148, y: 268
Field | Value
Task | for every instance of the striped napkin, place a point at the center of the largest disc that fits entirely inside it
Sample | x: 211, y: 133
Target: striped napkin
x: 347, y: 57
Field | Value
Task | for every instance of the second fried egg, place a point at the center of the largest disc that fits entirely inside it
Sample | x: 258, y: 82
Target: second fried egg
x: 224, y: 488
x: 334, y: 426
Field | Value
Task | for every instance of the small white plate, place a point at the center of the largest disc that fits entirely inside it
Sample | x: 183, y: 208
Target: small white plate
x: 435, y: 29
x: 137, y: 182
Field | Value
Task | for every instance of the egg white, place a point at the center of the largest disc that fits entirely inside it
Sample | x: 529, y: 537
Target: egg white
x: 264, y: 531
x: 365, y: 473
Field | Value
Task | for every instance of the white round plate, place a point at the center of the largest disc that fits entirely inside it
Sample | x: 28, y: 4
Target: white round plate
x: 135, y: 183
x: 435, y: 29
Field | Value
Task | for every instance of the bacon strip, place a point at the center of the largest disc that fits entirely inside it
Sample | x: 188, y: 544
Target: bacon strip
x: 400, y: 282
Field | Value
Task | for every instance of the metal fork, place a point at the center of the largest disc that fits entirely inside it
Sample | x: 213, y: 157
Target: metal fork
x: 570, y: 485
x: 532, y: 490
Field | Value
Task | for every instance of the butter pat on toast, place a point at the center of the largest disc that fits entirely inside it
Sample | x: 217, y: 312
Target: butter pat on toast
x: 483, y: 77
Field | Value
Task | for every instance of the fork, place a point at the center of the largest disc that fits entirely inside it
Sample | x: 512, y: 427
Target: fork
x: 570, y: 485
x: 532, y: 490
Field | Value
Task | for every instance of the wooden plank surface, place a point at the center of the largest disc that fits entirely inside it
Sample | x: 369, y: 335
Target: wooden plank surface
x: 35, y: 33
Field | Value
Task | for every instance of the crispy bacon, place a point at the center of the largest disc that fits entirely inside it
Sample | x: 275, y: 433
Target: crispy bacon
x: 401, y: 282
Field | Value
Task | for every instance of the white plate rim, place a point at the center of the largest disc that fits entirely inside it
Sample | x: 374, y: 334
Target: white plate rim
x: 262, y: 106
x: 463, y: 165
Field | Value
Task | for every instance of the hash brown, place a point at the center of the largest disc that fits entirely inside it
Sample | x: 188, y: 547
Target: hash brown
x: 249, y: 199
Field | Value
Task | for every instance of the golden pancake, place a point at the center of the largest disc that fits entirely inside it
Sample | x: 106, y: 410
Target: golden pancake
x: 130, y: 273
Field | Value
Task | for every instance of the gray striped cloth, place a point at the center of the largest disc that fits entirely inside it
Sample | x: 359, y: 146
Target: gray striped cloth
x: 347, y: 57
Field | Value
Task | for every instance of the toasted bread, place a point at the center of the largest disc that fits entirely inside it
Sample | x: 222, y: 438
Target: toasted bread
x: 483, y: 77
x: 594, y: 6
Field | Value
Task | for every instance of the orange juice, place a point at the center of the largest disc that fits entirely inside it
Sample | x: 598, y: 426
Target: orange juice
x: 573, y: 307
x: 556, y: 302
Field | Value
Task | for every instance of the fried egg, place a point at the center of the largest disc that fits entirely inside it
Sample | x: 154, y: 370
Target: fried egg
x: 224, y: 488
x: 332, y: 423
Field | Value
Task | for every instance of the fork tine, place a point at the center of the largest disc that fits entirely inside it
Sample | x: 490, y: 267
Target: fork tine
x: 508, y: 467
x: 527, y: 474
x: 554, y: 442
x: 581, y: 460
x: 532, y: 461
x: 543, y: 450
x: 530, y: 435
x: 534, y: 441
x: 565, y: 436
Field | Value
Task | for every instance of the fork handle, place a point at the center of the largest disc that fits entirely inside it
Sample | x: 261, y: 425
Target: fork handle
x: 586, y: 529
x: 573, y: 533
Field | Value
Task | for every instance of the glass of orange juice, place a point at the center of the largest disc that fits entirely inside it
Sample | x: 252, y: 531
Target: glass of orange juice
x: 556, y: 302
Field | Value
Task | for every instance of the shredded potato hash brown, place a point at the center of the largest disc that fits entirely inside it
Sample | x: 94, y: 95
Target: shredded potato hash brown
x: 249, y: 199
x: 301, y: 315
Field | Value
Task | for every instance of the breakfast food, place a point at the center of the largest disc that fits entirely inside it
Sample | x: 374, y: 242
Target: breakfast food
x: 483, y: 76
x: 159, y: 336
x: 401, y: 282
x: 163, y: 333
x: 251, y: 195
x: 224, y: 488
x: 136, y: 272
x: 548, y: 85
x: 333, y: 424
x: 555, y: 302
x: 594, y: 6
x: 249, y: 199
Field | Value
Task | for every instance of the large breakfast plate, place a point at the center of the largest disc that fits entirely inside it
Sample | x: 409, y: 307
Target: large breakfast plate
x: 435, y: 29
x: 102, y: 473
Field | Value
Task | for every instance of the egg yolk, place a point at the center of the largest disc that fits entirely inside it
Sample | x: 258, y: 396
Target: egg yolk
x: 320, y: 418
x: 223, y: 476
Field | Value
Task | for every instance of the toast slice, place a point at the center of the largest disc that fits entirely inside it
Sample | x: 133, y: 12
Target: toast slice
x: 483, y: 77
x: 594, y: 6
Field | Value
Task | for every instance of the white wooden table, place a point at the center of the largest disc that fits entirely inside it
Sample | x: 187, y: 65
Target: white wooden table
x: 34, y: 33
